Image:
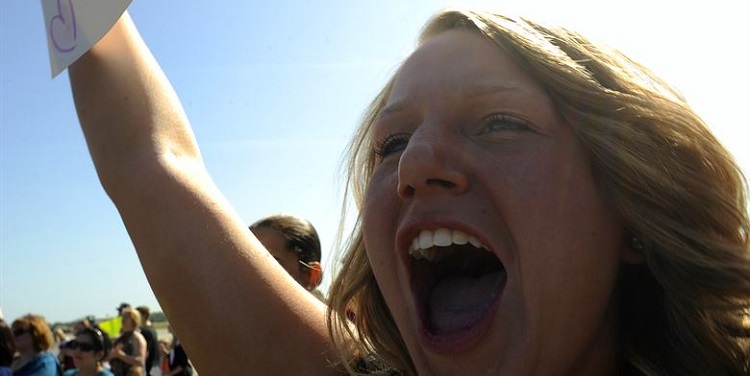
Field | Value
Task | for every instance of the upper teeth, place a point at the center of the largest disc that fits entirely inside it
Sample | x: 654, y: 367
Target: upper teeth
x: 423, y: 245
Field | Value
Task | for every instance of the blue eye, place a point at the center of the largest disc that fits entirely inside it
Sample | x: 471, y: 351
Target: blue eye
x: 504, y: 123
x: 392, y: 144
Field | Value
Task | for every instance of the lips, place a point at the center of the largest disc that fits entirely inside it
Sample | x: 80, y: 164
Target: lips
x: 456, y: 281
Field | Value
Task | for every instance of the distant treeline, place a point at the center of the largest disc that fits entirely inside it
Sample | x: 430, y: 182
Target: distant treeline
x: 158, y: 317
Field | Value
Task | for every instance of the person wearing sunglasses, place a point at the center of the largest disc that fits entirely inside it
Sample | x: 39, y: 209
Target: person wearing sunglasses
x: 89, y: 350
x: 33, y: 338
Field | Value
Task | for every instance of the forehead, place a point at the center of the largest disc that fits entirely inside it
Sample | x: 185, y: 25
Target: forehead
x: 85, y: 337
x: 271, y: 238
x: 458, y: 64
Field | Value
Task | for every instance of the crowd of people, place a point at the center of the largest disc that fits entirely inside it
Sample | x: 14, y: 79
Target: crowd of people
x: 27, y: 345
x: 30, y: 347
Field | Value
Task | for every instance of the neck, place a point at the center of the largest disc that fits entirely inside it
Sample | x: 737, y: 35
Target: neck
x: 90, y: 369
x: 28, y: 354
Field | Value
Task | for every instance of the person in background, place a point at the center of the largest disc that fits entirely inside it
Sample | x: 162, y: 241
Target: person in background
x: 294, y: 243
x: 149, y: 334
x: 65, y: 354
x: 128, y: 354
x: 59, y: 335
x: 7, y: 349
x: 80, y: 325
x: 179, y: 364
x: 164, y: 348
x: 90, y: 347
x: 121, y: 307
x: 33, y: 339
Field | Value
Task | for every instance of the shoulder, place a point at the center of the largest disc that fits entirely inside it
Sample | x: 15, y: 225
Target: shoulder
x: 44, y: 364
x: 105, y: 373
x: 139, y: 337
x: 127, y: 336
x: 137, y: 334
x: 148, y: 332
x: 47, y: 358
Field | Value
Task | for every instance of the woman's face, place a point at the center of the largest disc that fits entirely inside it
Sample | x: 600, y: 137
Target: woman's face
x: 84, y: 355
x: 127, y: 322
x: 23, y: 339
x: 493, y: 248
x: 275, y: 243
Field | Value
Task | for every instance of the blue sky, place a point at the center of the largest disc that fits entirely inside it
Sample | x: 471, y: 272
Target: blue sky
x: 273, y: 92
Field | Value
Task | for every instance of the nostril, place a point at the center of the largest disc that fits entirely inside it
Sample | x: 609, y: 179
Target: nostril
x: 407, y: 191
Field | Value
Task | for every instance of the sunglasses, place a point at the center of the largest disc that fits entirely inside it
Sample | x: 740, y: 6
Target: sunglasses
x: 19, y: 332
x: 83, y: 346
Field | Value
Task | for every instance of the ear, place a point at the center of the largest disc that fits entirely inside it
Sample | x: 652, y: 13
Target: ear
x: 633, y: 250
x: 314, y: 275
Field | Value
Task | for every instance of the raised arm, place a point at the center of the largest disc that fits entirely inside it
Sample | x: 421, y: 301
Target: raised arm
x: 223, y: 293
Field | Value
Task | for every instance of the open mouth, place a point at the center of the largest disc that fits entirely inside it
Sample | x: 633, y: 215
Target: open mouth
x: 455, y: 278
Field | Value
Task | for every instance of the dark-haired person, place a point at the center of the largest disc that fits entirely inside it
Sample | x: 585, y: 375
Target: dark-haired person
x: 33, y: 338
x: 90, y: 347
x: 178, y: 362
x: 150, y: 335
x: 294, y: 243
x: 7, y: 349
x: 121, y: 307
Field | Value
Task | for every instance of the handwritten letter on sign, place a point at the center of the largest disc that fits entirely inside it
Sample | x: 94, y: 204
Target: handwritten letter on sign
x: 73, y: 26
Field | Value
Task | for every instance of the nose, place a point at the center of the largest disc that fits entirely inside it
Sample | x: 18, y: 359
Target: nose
x: 431, y: 164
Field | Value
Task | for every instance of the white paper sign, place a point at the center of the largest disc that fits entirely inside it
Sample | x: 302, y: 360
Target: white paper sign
x: 74, y: 26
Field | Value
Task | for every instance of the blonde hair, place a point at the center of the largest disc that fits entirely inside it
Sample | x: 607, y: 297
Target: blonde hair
x: 678, y: 191
x: 135, y: 315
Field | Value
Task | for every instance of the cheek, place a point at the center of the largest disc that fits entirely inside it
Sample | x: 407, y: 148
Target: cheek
x: 379, y: 223
x: 380, y: 214
x: 290, y: 263
x: 569, y: 244
x: 23, y: 341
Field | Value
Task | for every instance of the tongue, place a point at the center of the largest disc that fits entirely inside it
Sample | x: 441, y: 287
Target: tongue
x: 460, y: 302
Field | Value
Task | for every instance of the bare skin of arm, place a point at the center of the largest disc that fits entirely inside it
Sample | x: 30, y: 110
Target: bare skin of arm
x: 230, y: 301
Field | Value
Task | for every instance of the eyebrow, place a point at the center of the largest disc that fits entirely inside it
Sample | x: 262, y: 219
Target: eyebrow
x: 468, y: 92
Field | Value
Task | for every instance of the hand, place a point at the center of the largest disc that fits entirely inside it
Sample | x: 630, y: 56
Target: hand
x: 117, y: 353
